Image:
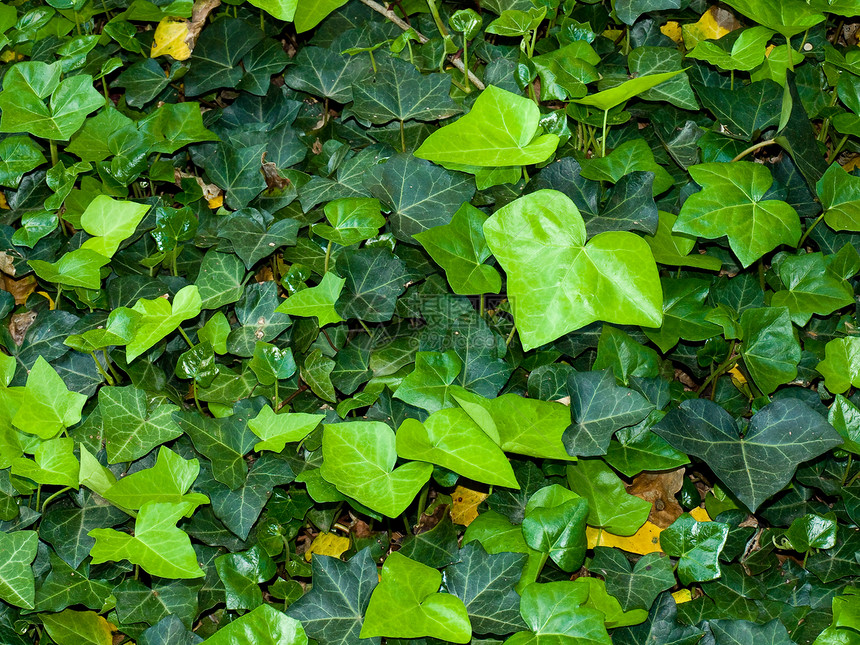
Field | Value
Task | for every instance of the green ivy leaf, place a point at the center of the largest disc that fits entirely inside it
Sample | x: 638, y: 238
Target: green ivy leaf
x: 733, y: 203
x: 133, y: 424
x: 351, y: 220
x: 159, y: 318
x: 485, y: 584
x: 277, y: 430
x: 359, y: 458
x: 554, y: 613
x: 460, y: 249
x: 635, y: 587
x: 17, y: 586
x: 316, y: 301
x: 428, y: 385
x: 554, y: 525
x: 553, y: 273
x: 265, y: 623
x: 78, y: 268
x: 449, y: 438
x: 47, y: 406
x: 839, y: 193
x: 72, y: 627
x: 610, y: 507
x: 764, y: 329
x: 520, y: 425
x: 811, y: 287
x: 697, y: 545
x: 332, y: 612
x: 598, y: 408
x: 407, y: 604
x: 54, y: 462
x: 26, y: 86
x: 760, y: 463
x: 157, y: 546
x: 500, y: 130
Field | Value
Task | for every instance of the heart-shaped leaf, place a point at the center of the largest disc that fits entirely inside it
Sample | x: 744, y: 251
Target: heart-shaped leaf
x: 553, y: 274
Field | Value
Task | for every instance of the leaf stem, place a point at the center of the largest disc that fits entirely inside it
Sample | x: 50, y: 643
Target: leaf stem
x: 511, y: 335
x: 465, y: 64
x: 722, y: 368
x: 328, y: 248
x: 753, y: 148
x: 54, y: 154
x: 101, y: 370
x: 402, y: 138
x: 809, y: 230
x: 603, y: 140
x: 109, y: 364
x: 422, y: 500
x: 847, y: 469
x: 185, y: 336
x: 53, y: 497
x: 194, y: 394
x: 393, y: 17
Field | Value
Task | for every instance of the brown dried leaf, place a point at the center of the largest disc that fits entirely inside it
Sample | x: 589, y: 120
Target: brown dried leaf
x: 659, y: 488
x: 19, y: 325
x: 20, y: 289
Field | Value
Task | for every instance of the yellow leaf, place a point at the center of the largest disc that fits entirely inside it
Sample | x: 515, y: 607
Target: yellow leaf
x: 328, y: 544
x: 645, y: 540
x: 170, y: 38
x: 464, y: 505
x: 852, y: 163
x: 49, y: 299
x: 714, y: 24
x: 216, y: 202
x: 3, y: 203
x: 673, y: 30
x: 700, y: 514
x: 612, y: 34
x: 682, y: 595
x: 737, y: 375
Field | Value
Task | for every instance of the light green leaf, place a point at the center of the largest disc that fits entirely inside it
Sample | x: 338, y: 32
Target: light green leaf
x: 167, y: 481
x: 47, y: 406
x: 351, y: 220
x: 555, y: 615
x: 316, y: 301
x: 839, y: 193
x: 25, y: 87
x: 157, y: 545
x: 159, y: 318
x: 520, y: 425
x: 72, y: 627
x: 500, y: 130
x: 78, y: 268
x: 608, y: 99
x: 557, y: 282
x: 673, y: 249
x: 461, y: 250
x: 811, y: 287
x: 277, y: 430
x: 359, y: 458
x: 110, y: 221
x: 54, y: 463
x: 732, y: 203
x: 407, y: 604
x: 747, y: 49
x: 428, y: 386
x: 554, y: 525
x: 788, y: 17
x: 610, y: 507
x: 451, y: 439
x: 265, y: 624
x: 841, y: 364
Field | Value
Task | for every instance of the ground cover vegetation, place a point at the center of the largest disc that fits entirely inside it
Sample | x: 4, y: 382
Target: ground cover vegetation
x: 521, y: 321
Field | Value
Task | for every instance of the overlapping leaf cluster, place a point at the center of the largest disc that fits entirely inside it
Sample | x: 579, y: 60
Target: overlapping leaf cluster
x: 527, y: 322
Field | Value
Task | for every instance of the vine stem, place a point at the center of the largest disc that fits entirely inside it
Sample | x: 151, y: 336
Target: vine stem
x: 328, y: 248
x: 393, y: 17
x: 101, y: 370
x: 722, y: 368
x: 760, y: 144
x: 53, y: 497
x: 54, y: 153
x: 809, y: 230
